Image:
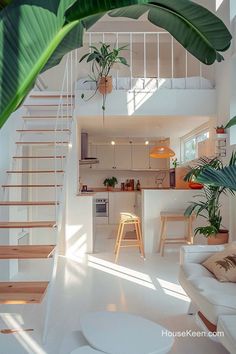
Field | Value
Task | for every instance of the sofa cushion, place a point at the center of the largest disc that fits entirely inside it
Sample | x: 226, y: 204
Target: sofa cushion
x: 223, y: 264
x: 212, y: 297
x: 227, y: 325
x: 193, y: 270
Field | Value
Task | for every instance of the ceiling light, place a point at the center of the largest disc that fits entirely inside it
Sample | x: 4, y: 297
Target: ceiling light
x: 113, y: 142
x: 161, y: 152
x: 146, y: 142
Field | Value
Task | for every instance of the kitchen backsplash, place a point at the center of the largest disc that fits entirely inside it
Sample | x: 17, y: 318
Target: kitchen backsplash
x: 95, y: 178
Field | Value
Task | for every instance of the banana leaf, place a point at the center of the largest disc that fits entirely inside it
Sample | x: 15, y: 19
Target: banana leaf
x: 226, y: 177
x: 231, y: 123
x: 36, y: 34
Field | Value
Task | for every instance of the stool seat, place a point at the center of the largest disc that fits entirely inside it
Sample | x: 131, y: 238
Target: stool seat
x: 172, y: 216
x: 128, y: 217
x: 122, y: 241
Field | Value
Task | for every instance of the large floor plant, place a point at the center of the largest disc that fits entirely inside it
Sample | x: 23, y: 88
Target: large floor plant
x: 208, y: 204
x: 36, y: 34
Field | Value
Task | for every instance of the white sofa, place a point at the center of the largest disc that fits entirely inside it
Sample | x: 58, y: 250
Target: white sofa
x: 216, y: 300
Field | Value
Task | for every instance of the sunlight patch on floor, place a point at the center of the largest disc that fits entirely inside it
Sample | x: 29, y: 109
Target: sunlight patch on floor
x: 121, y: 272
x: 173, y: 289
x: 24, y: 339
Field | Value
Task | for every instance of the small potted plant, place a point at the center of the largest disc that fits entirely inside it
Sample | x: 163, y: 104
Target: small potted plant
x: 110, y: 183
x: 103, y: 59
x: 220, y: 129
x: 175, y: 162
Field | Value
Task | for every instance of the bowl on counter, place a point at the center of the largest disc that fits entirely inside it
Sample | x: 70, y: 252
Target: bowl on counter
x: 195, y: 185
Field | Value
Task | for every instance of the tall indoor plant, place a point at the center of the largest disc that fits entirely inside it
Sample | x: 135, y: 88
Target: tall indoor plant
x: 103, y: 59
x: 208, y: 205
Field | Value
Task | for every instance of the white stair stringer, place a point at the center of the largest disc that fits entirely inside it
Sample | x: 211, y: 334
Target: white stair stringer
x: 13, y: 197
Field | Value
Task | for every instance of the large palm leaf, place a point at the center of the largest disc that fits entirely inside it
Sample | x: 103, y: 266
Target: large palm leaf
x: 226, y: 177
x: 36, y: 34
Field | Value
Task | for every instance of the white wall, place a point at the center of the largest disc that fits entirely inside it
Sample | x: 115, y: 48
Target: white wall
x: 174, y: 102
x: 79, y: 210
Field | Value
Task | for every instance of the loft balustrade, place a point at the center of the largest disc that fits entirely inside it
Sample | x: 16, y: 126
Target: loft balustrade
x: 156, y: 61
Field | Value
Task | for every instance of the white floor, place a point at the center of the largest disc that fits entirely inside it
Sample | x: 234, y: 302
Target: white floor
x: 148, y: 288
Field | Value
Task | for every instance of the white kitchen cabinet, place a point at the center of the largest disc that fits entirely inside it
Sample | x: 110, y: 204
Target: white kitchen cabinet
x: 122, y: 157
x: 120, y: 202
x: 140, y: 157
x: 105, y: 155
x: 162, y: 164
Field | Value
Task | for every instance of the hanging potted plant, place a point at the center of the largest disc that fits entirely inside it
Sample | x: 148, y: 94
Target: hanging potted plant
x: 209, y: 206
x: 103, y: 60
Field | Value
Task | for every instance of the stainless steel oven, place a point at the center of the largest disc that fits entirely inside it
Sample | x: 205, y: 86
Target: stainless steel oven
x: 102, y: 207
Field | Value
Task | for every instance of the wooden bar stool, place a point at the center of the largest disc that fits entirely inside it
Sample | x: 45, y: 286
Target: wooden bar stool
x: 175, y: 216
x: 129, y: 219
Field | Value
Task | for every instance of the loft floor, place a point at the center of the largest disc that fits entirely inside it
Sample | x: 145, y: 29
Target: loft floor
x: 148, y: 288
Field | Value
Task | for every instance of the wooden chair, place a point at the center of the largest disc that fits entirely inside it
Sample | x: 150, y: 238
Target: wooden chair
x: 122, y: 240
x: 173, y: 217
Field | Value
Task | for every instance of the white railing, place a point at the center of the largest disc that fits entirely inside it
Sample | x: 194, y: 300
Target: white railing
x: 157, y: 56
x: 64, y: 115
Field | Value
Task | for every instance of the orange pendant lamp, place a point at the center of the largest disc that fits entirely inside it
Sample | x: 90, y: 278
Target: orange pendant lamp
x: 161, y: 152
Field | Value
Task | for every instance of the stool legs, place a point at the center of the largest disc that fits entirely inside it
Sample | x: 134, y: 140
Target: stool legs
x: 117, y: 238
x: 120, y: 238
x: 187, y: 238
x: 140, y: 239
x: 163, y: 233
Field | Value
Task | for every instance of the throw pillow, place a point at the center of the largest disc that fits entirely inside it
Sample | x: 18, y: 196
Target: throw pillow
x: 223, y: 264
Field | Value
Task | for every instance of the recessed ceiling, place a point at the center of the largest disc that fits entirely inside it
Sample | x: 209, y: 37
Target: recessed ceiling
x: 140, y: 126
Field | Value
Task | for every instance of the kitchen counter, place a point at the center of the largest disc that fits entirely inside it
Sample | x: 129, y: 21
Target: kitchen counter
x: 115, y: 190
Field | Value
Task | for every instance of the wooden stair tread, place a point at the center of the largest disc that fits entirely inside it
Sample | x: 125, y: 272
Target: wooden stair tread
x: 39, y: 157
x: 26, y: 251
x: 41, y: 130
x: 35, y: 171
x: 41, y: 142
x: 53, y: 96
x: 31, y: 185
x: 48, y: 104
x: 47, y: 117
x: 22, y: 292
x: 26, y: 224
x: 22, y: 203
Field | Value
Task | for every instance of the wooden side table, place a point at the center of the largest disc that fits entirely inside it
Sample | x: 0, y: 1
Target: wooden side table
x: 173, y: 217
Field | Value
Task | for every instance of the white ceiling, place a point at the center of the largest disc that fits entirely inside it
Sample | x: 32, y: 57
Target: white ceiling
x: 140, y: 126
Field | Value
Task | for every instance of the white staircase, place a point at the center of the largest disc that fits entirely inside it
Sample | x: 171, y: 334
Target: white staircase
x: 34, y: 190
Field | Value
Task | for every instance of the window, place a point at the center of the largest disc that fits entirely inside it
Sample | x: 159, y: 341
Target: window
x: 190, y: 145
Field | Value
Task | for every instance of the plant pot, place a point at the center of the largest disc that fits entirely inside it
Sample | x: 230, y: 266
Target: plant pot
x: 220, y: 130
x: 219, y: 239
x: 110, y: 188
x: 105, y: 85
x: 195, y: 185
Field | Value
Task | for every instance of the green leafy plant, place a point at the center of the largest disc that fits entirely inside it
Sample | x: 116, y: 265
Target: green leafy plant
x: 231, y: 123
x: 209, y: 207
x: 102, y: 59
x: 35, y: 35
x: 110, y: 182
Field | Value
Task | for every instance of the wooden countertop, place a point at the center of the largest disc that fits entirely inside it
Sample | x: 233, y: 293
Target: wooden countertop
x: 115, y: 190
